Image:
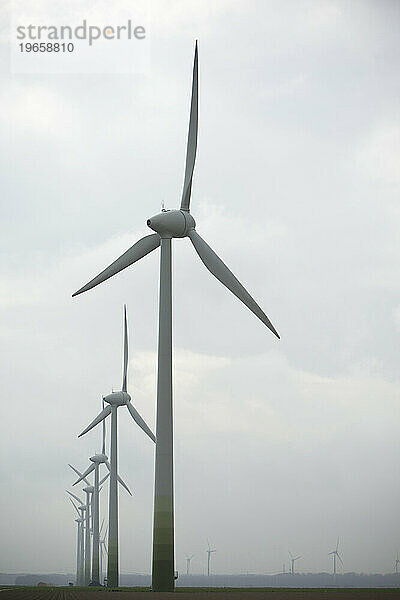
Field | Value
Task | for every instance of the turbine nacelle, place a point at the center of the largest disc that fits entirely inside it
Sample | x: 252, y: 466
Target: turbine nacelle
x: 89, y: 489
x: 117, y: 398
x: 99, y: 459
x: 172, y: 223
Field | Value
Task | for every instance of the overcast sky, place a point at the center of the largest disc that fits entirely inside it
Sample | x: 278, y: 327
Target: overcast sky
x: 279, y: 445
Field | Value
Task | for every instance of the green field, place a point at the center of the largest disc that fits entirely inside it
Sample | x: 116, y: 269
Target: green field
x: 72, y: 593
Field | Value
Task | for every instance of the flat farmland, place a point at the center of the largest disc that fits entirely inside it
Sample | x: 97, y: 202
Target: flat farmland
x: 59, y: 593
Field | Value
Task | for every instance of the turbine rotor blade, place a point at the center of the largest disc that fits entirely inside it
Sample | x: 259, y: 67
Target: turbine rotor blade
x: 104, y: 413
x: 75, y: 507
x: 104, y: 478
x: 219, y: 269
x: 135, y: 253
x: 80, y: 475
x: 339, y: 559
x: 192, y: 137
x: 86, y: 473
x: 122, y: 482
x: 124, y: 382
x: 119, y: 479
x: 74, y: 496
x: 138, y: 419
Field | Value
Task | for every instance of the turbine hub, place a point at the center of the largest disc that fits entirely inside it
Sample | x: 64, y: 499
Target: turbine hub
x: 89, y: 489
x: 172, y: 223
x: 117, y: 398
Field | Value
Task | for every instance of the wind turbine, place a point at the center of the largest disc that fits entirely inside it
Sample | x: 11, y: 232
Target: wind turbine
x: 114, y: 401
x: 85, y: 516
x: 209, y: 552
x: 335, y: 554
x: 89, y: 489
x: 396, y: 564
x: 103, y: 550
x: 293, y: 560
x: 170, y: 224
x: 79, y: 543
x: 96, y: 461
x: 188, y: 559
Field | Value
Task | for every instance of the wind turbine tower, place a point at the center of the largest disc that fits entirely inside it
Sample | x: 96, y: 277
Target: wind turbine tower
x: 103, y: 551
x: 396, y: 564
x: 167, y: 225
x: 209, y: 552
x: 79, y: 544
x: 335, y: 554
x: 81, y: 550
x: 292, y: 561
x: 89, y: 490
x: 188, y: 559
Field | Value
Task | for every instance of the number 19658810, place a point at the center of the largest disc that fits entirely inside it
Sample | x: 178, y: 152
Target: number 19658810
x: 46, y: 47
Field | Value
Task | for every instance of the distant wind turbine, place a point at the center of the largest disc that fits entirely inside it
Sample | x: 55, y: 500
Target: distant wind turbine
x: 169, y: 224
x: 396, y: 564
x: 188, y: 559
x: 115, y: 400
x: 293, y: 560
x: 335, y: 555
x: 209, y: 552
x: 103, y: 551
x: 79, y: 542
x: 89, y: 489
x: 97, y: 460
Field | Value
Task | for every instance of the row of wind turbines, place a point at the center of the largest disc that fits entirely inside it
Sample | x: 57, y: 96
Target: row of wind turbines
x: 335, y: 555
x: 90, y: 553
x: 209, y: 551
x: 167, y: 225
x: 91, y: 545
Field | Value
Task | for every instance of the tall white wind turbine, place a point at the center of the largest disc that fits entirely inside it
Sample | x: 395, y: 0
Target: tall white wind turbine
x: 114, y: 401
x: 89, y: 489
x: 293, y: 560
x: 97, y: 460
x: 167, y: 225
x: 209, y: 552
x: 188, y: 560
x: 335, y: 555
x: 396, y: 564
x: 79, y: 543
x: 103, y: 551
